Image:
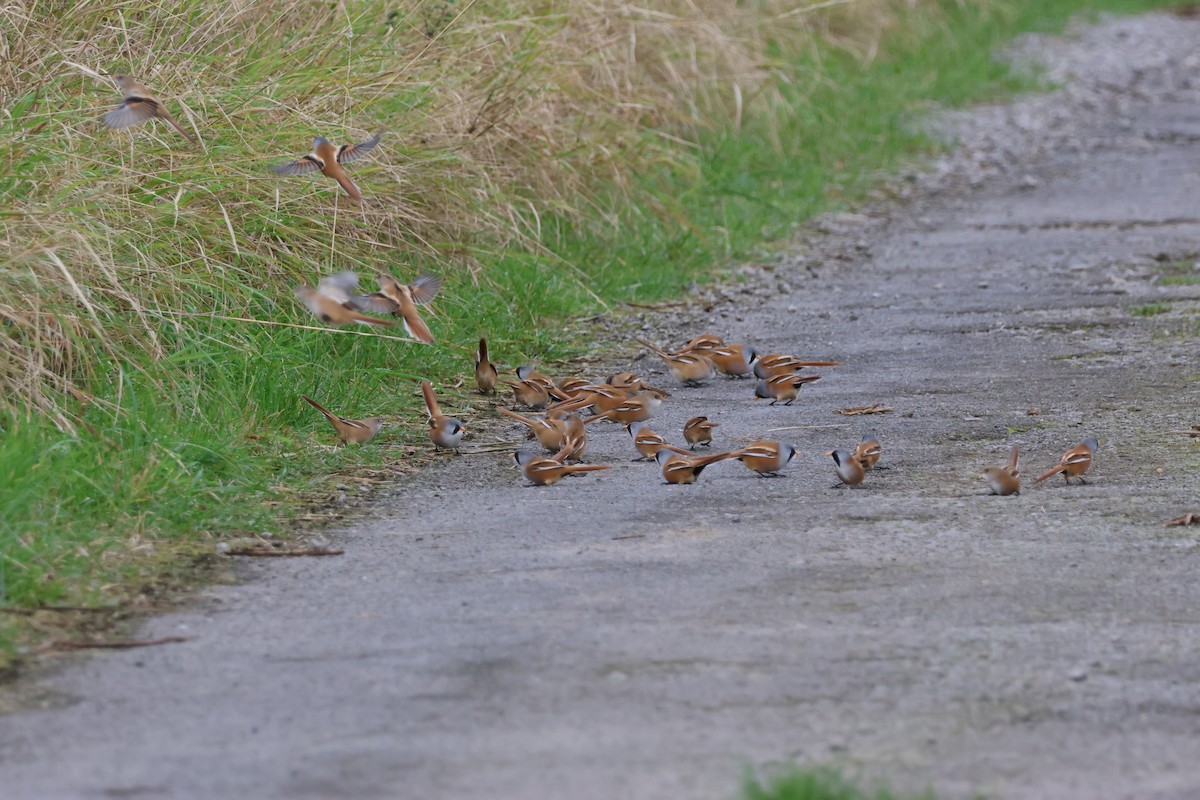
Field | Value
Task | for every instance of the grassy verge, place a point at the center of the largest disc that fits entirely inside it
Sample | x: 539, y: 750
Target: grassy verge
x: 550, y: 162
x: 817, y: 784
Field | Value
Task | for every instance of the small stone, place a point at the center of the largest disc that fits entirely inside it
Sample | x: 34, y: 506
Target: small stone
x: 1078, y: 674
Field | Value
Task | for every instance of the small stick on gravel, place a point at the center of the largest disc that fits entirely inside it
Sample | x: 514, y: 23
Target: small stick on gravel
x: 808, y: 427
x: 1186, y: 519
x: 275, y: 552
x: 1192, y: 431
x: 875, y: 408
x: 126, y: 644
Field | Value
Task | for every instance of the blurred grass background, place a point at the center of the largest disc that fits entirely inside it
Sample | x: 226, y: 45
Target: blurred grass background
x: 549, y: 159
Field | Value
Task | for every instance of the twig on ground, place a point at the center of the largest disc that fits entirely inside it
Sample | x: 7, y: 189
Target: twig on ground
x: 266, y: 551
x: 656, y: 306
x: 1186, y: 519
x: 120, y: 644
x: 64, y: 609
x: 874, y: 408
x: 807, y: 427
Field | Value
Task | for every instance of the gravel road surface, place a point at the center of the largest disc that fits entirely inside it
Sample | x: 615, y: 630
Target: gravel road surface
x: 614, y: 637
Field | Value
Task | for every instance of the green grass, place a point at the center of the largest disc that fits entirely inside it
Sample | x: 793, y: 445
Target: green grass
x: 817, y: 784
x: 182, y: 425
x: 1180, y: 273
x: 1150, y: 309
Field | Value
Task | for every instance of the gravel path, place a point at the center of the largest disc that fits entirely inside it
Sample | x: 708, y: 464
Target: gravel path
x: 615, y: 637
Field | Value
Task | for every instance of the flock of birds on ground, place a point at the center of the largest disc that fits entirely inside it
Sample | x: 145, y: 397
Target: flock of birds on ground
x: 623, y: 398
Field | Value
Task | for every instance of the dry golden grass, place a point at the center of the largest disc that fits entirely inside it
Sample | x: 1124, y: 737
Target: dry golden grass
x: 496, y: 114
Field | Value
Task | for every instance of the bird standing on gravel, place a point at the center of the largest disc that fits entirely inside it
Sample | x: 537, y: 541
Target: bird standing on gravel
x: 690, y: 369
x: 698, y: 430
x: 732, y: 360
x: 543, y: 471
x: 328, y: 158
x: 683, y: 469
x: 782, y: 388
x: 868, y: 452
x: 647, y: 442
x: 1004, y: 480
x: 139, y: 106
x: 445, y: 432
x: 1074, y: 462
x: 849, y: 471
x: 766, y: 457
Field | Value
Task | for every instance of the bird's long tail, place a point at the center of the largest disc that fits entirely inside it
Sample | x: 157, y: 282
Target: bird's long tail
x: 516, y: 416
x: 167, y: 116
x: 1051, y: 472
x: 658, y: 350
x: 347, y: 184
x: 320, y: 407
x: 431, y: 403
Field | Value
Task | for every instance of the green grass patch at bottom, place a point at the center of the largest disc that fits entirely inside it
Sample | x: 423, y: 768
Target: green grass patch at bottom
x: 817, y: 784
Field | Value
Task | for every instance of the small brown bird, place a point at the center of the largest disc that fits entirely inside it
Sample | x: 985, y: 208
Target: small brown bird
x: 703, y: 342
x: 766, y: 457
x: 599, y: 397
x: 1074, y: 462
x: 632, y: 383
x: 138, y: 106
x: 574, y: 439
x: 782, y: 387
x: 530, y: 394
x: 485, y: 371
x: 682, y: 469
x: 328, y: 158
x: 698, y: 430
x: 648, y: 443
x: 401, y: 300
x: 849, y: 471
x: 1004, y: 480
x: 330, y: 301
x: 634, y: 409
x: 350, y: 431
x: 445, y: 432
x: 732, y: 360
x: 542, y: 471
x: 773, y: 364
x: 868, y: 452
x: 548, y: 432
x: 690, y: 369
x: 570, y: 386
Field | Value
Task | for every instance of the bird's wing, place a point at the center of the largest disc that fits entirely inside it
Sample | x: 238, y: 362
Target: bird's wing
x: 375, y: 303
x: 425, y: 288
x: 132, y: 111
x: 350, y: 152
x: 301, y: 166
x: 339, y: 286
